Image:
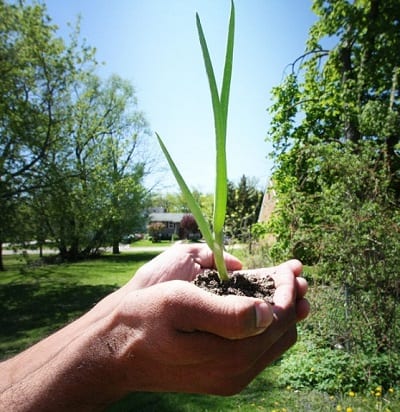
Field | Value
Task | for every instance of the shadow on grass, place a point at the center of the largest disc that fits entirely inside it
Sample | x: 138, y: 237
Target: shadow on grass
x: 144, y: 402
x: 166, y: 402
x: 130, y: 257
x: 125, y: 257
x: 29, y: 312
x: 254, y: 397
x: 39, y: 298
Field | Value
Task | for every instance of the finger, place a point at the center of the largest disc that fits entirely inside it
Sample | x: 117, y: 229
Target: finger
x: 282, y: 273
x: 203, y: 256
x: 302, y: 309
x: 286, y: 283
x: 245, y: 359
x: 239, y: 361
x: 301, y: 287
x: 295, y: 266
x: 231, y: 317
x: 232, y: 263
x: 285, y: 292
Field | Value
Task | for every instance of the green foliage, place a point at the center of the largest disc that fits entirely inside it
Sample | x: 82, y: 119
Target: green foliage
x: 176, y: 203
x: 155, y: 231
x: 220, y: 103
x: 348, y: 225
x: 243, y: 207
x: 72, y: 146
x: 336, y: 371
x: 254, y: 254
x: 335, y: 136
x: 35, y: 71
x: 259, y: 230
x: 338, y: 349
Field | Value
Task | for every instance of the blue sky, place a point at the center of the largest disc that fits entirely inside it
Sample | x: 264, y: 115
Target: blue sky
x: 154, y: 44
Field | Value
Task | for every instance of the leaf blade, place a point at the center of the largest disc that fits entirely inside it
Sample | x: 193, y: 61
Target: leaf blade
x: 193, y: 206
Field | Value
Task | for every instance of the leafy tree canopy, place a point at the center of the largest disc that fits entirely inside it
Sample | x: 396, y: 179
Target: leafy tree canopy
x: 335, y: 134
x: 72, y: 145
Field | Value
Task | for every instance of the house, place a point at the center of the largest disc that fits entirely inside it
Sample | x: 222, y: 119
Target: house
x: 268, y: 204
x: 171, y: 222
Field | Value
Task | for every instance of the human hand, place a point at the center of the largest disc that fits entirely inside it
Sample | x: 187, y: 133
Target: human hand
x: 185, y: 261
x: 179, y: 262
x: 172, y: 336
x: 177, y: 337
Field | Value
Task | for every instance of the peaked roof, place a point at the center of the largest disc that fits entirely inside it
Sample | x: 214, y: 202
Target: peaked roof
x: 268, y: 203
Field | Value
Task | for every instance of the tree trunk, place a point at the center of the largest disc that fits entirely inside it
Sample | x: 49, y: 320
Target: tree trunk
x: 2, y: 269
x: 115, y: 247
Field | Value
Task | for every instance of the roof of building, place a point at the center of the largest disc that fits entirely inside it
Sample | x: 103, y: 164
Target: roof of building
x: 166, y: 217
x: 268, y: 204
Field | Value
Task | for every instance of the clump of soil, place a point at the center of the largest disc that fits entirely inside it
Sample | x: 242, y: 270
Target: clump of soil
x: 240, y: 284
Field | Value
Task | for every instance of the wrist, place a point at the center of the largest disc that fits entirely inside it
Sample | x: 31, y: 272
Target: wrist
x: 92, y: 374
x: 79, y: 372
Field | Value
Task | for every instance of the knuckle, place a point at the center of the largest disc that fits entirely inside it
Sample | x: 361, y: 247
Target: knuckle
x: 241, y: 316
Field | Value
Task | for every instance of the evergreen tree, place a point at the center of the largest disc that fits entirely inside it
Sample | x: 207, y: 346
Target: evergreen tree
x: 243, y: 207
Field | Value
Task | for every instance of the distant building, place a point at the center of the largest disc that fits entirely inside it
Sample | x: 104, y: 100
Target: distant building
x: 268, y: 204
x: 170, y: 220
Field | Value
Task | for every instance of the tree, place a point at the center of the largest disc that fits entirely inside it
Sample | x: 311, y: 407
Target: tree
x: 188, y: 228
x: 72, y: 146
x: 35, y: 70
x: 243, y: 207
x: 102, y: 151
x: 335, y: 135
x: 156, y: 230
x: 176, y: 203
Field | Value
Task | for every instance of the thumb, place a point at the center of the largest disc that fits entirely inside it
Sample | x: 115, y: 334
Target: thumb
x: 231, y: 317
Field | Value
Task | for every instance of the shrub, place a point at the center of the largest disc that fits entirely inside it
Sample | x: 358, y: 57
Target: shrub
x: 188, y: 228
x: 332, y: 370
x: 155, y: 231
x: 338, y: 350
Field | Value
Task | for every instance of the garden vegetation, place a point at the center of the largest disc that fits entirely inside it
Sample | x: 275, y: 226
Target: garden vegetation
x: 73, y: 156
x: 335, y: 135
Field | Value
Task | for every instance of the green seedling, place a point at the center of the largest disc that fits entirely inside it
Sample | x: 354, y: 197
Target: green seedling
x: 214, y: 237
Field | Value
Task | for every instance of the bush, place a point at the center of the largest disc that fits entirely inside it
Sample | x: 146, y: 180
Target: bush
x: 188, y: 228
x: 156, y: 230
x: 338, y: 350
x: 337, y: 371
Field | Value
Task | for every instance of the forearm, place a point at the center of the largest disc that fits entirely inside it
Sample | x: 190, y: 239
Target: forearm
x: 35, y: 357
x: 71, y: 370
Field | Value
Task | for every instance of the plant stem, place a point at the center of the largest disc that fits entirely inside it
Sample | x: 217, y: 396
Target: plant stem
x: 219, y: 256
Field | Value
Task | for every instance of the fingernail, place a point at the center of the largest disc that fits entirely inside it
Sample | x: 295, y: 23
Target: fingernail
x: 264, y: 314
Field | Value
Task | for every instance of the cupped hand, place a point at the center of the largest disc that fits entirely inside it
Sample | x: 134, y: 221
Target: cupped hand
x: 185, y: 261
x: 179, y: 262
x: 173, y: 336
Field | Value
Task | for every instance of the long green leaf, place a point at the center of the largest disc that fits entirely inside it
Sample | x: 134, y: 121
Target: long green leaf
x: 220, y: 109
x: 222, y: 178
x: 226, y: 83
x: 193, y: 206
x: 211, y: 78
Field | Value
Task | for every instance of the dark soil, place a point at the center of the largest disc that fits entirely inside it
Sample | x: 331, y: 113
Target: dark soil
x: 240, y: 284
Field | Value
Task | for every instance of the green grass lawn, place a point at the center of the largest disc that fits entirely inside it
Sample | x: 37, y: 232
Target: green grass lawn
x: 37, y: 299
x: 148, y: 242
